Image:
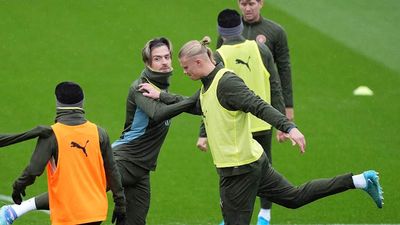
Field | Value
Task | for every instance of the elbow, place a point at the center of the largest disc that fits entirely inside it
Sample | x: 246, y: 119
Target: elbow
x: 158, y: 118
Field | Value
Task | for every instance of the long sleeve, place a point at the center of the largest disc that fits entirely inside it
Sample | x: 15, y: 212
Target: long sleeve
x: 282, y: 59
x: 42, y: 154
x: 277, y: 100
x: 159, y: 111
x: 10, y: 139
x: 113, y: 176
x: 233, y: 94
x: 276, y: 40
x: 195, y: 110
x: 170, y: 98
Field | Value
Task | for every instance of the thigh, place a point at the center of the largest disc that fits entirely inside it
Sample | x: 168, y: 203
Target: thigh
x: 138, y: 200
x: 130, y: 173
x: 278, y: 189
x: 275, y: 187
x: 238, y: 195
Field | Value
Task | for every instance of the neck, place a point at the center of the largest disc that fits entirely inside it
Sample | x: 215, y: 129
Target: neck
x: 253, y: 21
x: 70, y: 116
x: 160, y: 79
x: 208, y: 69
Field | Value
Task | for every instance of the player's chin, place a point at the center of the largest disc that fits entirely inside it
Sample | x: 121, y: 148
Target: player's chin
x: 165, y: 70
x: 193, y: 77
x: 249, y: 17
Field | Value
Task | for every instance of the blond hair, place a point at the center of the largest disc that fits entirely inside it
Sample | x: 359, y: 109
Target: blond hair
x: 194, y: 48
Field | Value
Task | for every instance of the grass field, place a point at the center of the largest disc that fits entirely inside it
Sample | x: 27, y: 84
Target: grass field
x: 336, y: 46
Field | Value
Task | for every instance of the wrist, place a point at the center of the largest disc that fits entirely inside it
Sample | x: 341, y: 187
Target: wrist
x: 290, y: 128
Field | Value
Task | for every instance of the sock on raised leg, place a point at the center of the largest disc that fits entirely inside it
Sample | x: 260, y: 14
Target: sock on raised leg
x: 26, y: 206
x: 359, y: 181
x: 265, y: 213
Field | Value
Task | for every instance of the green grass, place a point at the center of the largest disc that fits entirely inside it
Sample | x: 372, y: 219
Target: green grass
x: 366, y: 26
x: 98, y: 43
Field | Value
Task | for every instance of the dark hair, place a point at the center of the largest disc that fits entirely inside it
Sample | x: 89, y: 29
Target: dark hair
x: 154, y: 43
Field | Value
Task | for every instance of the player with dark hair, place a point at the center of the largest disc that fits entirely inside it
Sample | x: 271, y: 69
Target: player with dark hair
x: 146, y: 126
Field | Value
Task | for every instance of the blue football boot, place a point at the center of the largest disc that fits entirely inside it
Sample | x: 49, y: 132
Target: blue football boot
x: 262, y: 221
x: 373, y: 187
x: 7, y: 215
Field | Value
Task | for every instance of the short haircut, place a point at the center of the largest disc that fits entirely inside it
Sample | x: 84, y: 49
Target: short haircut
x: 154, y: 43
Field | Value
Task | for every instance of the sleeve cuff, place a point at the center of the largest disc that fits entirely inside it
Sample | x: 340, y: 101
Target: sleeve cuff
x: 290, y: 128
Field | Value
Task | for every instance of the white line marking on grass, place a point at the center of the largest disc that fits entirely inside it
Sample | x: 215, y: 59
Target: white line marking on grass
x: 9, y: 199
x: 5, y: 198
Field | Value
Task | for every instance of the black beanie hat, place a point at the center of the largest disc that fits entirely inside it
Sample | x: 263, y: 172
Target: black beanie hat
x: 69, y: 93
x: 229, y: 18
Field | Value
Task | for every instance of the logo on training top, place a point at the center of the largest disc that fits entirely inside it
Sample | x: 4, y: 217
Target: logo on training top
x: 239, y: 61
x: 261, y: 39
x: 78, y: 146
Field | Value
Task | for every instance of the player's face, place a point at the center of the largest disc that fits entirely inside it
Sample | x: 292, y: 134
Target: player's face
x: 191, y: 67
x: 161, y: 59
x: 250, y: 10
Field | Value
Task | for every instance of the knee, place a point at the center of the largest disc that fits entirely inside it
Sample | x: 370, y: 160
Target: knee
x: 292, y: 204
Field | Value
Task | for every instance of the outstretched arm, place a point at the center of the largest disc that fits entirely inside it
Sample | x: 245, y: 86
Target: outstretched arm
x: 40, y: 157
x: 152, y: 102
x: 233, y: 94
x: 10, y: 139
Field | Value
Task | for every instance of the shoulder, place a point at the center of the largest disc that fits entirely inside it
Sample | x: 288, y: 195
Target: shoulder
x: 272, y: 25
x: 103, y: 135
x: 264, y: 50
x: 134, y: 89
x: 134, y: 85
x: 101, y: 129
x: 229, y: 79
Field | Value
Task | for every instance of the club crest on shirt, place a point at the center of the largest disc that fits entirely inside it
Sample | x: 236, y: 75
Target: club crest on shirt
x: 261, y: 39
